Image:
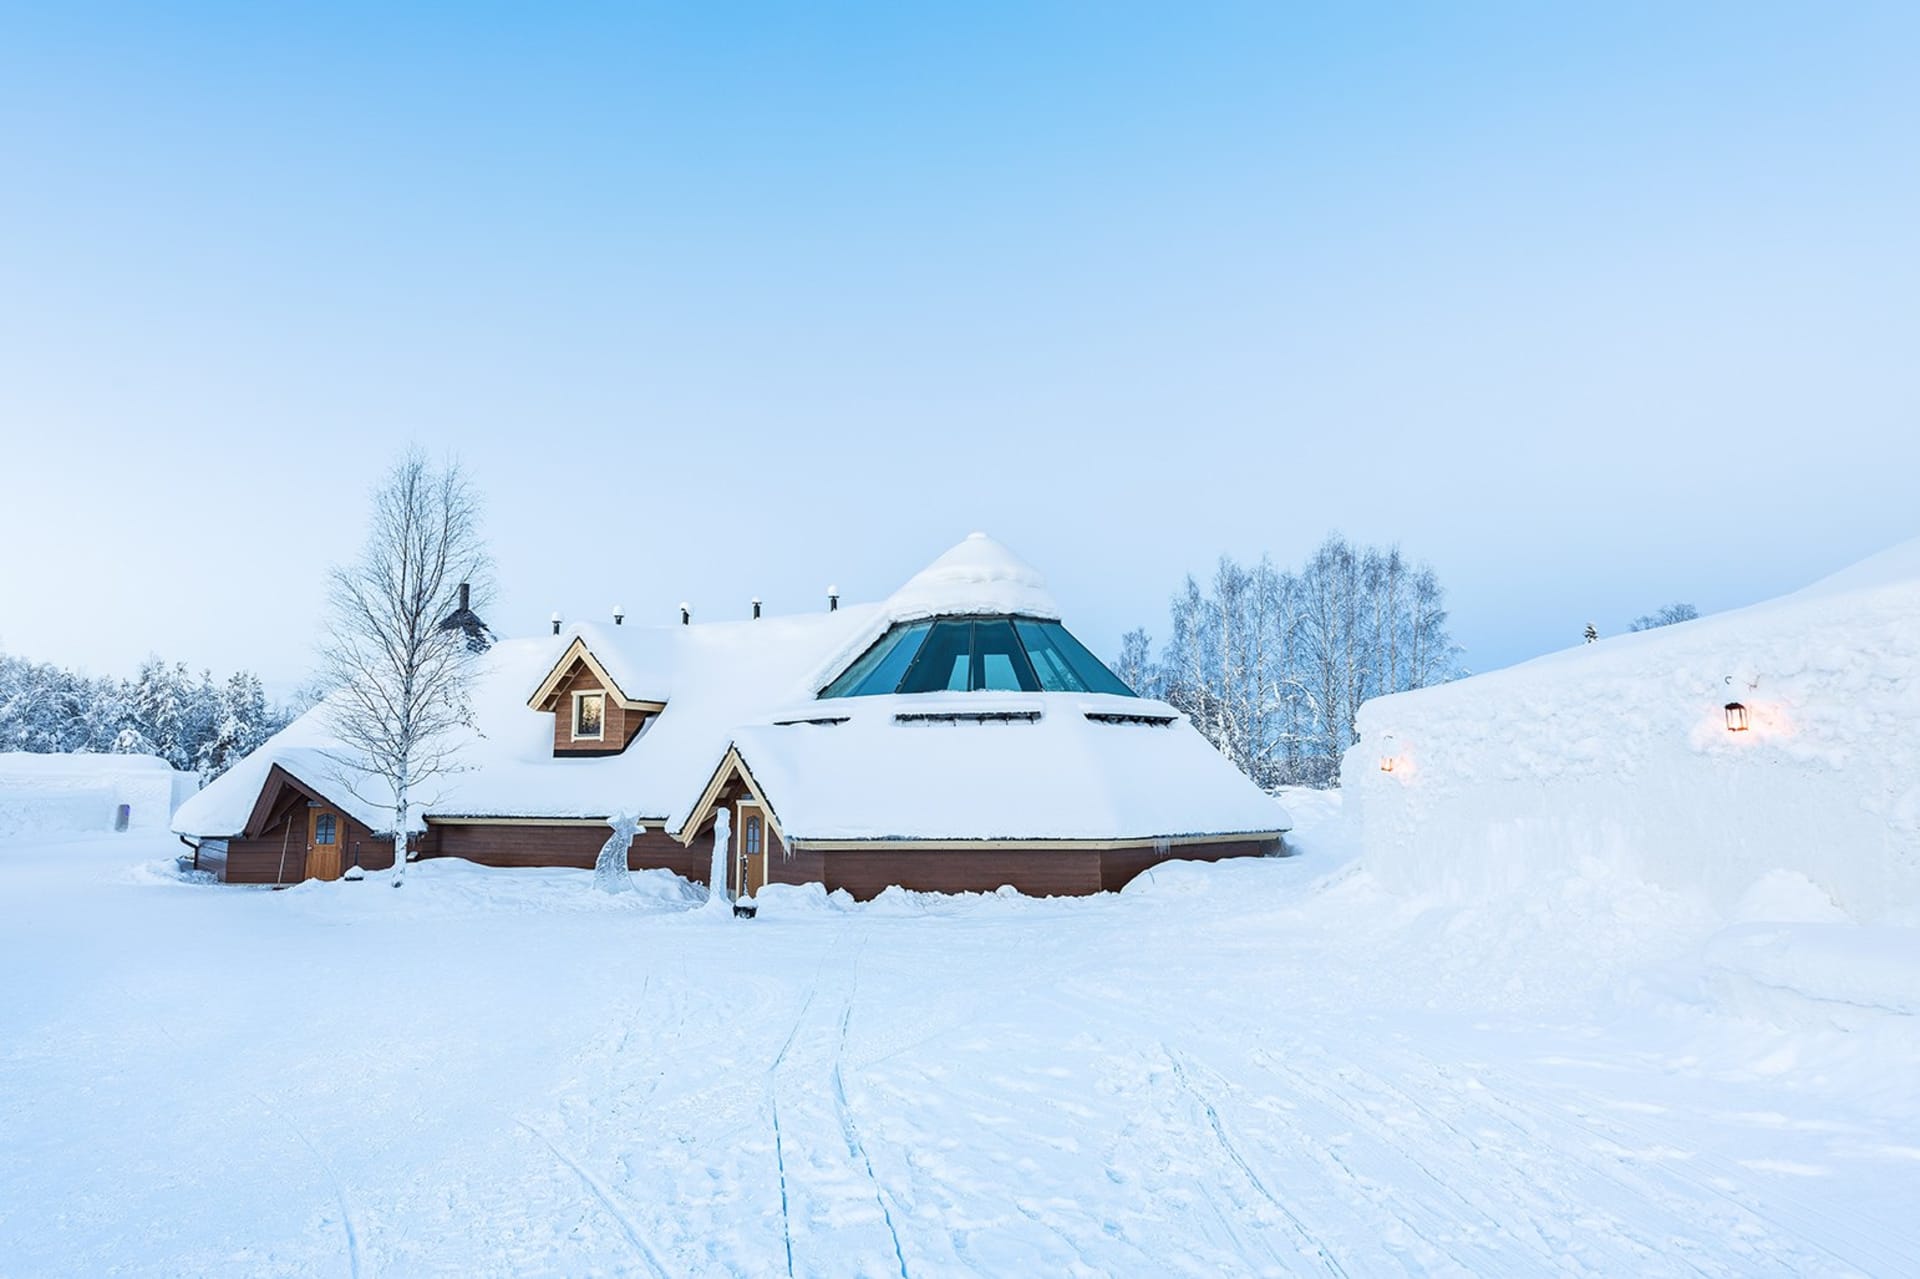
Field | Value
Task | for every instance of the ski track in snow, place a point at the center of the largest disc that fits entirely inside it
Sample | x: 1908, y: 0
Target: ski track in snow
x: 990, y: 1089
x: 605, y: 1198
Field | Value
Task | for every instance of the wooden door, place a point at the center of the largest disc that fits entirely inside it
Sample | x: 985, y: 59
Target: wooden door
x: 751, y: 859
x: 326, y: 835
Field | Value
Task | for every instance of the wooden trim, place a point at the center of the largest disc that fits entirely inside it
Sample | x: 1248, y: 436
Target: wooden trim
x: 697, y: 815
x: 1024, y: 845
x: 278, y: 779
x: 533, y: 821
x: 543, y: 697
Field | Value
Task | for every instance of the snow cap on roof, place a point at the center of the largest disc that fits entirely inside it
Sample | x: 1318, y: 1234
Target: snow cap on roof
x: 979, y: 576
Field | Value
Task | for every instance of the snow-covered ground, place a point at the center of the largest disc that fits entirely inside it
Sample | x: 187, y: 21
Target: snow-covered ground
x: 1270, y: 1066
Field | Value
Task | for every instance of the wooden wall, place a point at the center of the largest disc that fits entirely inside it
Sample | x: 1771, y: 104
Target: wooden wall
x: 1041, y: 873
x: 620, y: 726
x: 500, y: 844
x: 278, y: 855
x: 1120, y: 865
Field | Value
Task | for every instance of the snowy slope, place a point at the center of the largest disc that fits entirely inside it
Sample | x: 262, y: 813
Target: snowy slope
x: 1613, y: 760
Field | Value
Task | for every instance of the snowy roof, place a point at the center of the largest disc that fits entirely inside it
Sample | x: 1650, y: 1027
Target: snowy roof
x: 729, y: 681
x: 981, y: 766
x: 977, y: 577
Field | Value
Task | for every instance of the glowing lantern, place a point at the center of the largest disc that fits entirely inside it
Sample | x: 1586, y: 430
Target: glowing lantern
x: 1736, y: 717
x: 1386, y: 763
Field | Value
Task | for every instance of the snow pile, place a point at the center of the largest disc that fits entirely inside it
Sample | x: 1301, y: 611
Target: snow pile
x: 1847, y: 969
x: 79, y: 794
x: 452, y: 887
x: 1614, y: 762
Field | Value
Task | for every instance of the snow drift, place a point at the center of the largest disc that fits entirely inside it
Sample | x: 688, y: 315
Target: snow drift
x: 81, y: 794
x: 1616, y: 757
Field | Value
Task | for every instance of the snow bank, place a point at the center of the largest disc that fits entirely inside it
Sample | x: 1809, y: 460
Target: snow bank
x: 1617, y: 756
x: 1843, y: 969
x: 80, y: 794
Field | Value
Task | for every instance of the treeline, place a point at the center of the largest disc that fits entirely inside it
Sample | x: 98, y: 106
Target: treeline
x: 193, y: 722
x: 1272, y: 664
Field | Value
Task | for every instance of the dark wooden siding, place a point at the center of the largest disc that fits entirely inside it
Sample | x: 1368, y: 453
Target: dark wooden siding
x: 619, y: 727
x: 1119, y: 866
x: 278, y: 854
x: 502, y: 844
x: 1040, y: 872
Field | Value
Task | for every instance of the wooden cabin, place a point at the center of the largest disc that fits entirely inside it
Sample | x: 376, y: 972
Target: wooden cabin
x: 954, y: 737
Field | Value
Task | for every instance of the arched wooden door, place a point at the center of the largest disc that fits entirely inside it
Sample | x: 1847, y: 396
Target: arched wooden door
x: 326, y: 836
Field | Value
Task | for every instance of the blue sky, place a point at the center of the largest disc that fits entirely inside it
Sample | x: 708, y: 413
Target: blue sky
x: 1595, y: 308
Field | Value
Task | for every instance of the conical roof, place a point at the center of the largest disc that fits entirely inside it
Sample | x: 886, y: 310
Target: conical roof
x: 979, y: 576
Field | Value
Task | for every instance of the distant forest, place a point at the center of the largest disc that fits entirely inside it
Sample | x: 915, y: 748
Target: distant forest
x: 197, y: 724
x: 1271, y: 664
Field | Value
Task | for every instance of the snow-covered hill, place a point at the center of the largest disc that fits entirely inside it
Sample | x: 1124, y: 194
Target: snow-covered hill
x: 1614, y: 761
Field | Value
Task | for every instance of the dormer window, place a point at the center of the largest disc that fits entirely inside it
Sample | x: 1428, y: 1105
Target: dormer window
x: 589, y: 716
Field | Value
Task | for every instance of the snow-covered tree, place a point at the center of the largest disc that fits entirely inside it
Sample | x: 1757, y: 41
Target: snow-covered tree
x: 163, y: 711
x: 1665, y: 617
x: 1593, y: 633
x: 1135, y: 665
x: 398, y: 681
x: 1271, y: 665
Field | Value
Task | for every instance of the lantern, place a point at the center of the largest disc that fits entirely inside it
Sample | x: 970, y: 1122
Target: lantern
x: 1386, y: 763
x: 1736, y: 717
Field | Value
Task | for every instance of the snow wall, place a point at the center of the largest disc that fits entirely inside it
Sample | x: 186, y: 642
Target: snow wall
x: 80, y: 794
x: 1616, y: 758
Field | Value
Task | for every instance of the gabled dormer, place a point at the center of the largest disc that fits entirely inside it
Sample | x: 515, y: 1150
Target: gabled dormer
x: 591, y: 715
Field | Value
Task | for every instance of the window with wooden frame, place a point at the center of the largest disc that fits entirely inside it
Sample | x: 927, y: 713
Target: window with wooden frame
x: 589, y: 716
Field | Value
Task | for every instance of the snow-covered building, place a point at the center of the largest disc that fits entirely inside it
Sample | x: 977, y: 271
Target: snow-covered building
x: 85, y: 793
x: 954, y: 737
x: 1713, y: 757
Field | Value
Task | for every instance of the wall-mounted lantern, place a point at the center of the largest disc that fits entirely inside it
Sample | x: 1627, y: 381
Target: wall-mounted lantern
x: 1736, y: 712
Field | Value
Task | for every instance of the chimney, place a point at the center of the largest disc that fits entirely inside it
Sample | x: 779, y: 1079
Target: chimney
x: 833, y: 599
x: 619, y: 615
x: 556, y: 623
x: 756, y: 608
x: 464, y: 595
x: 686, y: 612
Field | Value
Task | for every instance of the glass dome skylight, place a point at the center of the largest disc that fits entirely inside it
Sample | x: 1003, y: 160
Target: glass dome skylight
x: 977, y: 654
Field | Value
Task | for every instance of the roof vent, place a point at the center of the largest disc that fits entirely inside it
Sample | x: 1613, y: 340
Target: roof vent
x: 967, y: 717
x: 556, y: 623
x: 756, y: 607
x: 833, y: 599
x: 686, y: 612
x: 619, y: 615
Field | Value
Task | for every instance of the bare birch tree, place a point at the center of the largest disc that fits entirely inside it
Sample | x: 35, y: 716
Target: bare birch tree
x: 398, y: 680
x: 1271, y: 666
